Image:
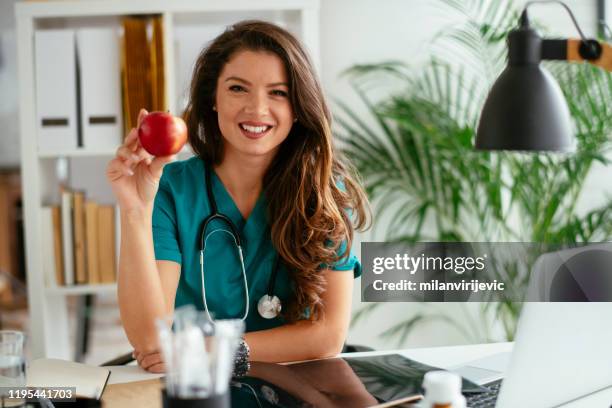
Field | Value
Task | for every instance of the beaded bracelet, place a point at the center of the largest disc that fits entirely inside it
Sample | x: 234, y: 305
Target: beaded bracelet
x: 241, y: 360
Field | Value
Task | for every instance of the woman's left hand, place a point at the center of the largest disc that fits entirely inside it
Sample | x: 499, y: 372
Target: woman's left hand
x: 152, y: 361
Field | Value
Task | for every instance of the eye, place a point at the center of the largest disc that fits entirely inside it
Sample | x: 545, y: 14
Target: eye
x: 237, y: 88
x: 279, y: 92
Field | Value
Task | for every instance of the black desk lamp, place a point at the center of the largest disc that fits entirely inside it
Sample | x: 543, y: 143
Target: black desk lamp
x: 525, y: 109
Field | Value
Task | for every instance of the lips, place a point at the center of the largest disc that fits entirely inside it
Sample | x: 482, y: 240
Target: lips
x: 254, y: 130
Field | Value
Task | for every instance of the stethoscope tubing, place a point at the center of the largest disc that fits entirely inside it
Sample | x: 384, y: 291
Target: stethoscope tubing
x: 216, y: 215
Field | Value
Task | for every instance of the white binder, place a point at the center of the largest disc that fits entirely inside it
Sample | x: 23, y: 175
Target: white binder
x: 100, y: 82
x: 56, y: 95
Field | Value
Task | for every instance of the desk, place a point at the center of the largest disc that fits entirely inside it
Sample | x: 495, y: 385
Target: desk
x: 130, y: 387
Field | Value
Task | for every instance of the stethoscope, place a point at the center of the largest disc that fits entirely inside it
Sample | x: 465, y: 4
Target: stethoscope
x: 269, y: 306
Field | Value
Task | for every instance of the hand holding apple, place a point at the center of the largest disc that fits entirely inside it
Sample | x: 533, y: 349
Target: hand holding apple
x: 162, y: 134
x: 134, y: 173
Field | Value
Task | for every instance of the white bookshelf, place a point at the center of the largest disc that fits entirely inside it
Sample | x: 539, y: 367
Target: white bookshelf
x: 82, y: 289
x: 49, y: 315
x: 75, y: 153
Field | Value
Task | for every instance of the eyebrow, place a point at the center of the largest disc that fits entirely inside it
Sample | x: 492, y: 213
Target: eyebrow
x: 244, y: 81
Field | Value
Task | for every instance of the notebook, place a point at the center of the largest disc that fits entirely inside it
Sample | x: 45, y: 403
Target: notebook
x: 49, y: 372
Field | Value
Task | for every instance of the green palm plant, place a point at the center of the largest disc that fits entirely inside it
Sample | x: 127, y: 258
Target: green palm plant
x: 414, y: 153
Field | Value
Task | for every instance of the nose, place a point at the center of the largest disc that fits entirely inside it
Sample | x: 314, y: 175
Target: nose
x: 257, y: 103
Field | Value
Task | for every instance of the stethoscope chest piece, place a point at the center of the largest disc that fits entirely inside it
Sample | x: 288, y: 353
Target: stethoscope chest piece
x: 269, y: 307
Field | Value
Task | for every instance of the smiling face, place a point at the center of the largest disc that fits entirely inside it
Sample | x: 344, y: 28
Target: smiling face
x: 252, y: 104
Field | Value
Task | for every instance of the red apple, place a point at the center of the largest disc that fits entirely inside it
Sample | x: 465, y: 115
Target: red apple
x: 162, y: 134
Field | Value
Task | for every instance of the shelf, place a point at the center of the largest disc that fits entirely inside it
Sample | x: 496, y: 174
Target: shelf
x: 82, y: 289
x: 76, y: 153
x: 75, y: 8
x: 186, y: 150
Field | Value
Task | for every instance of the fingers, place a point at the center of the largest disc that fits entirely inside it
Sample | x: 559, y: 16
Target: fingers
x: 127, y: 155
x: 143, y: 155
x: 131, y: 139
x: 131, y: 153
x: 143, y: 112
x: 131, y: 142
x: 133, y: 156
x: 139, y: 355
x: 148, y: 361
x: 118, y: 168
x: 151, y: 362
x: 157, y: 368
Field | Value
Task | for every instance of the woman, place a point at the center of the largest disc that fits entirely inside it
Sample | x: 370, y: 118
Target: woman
x: 260, y: 130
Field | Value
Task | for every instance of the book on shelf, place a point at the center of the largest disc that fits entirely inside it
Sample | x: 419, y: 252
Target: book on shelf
x: 106, y: 243
x: 56, y: 216
x: 158, y: 88
x: 52, y: 256
x: 48, y: 256
x: 91, y: 228
x: 67, y: 205
x: 80, y: 241
x: 80, y: 270
x: 142, y: 70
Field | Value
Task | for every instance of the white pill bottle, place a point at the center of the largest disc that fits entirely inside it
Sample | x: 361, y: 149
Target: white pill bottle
x: 442, y: 390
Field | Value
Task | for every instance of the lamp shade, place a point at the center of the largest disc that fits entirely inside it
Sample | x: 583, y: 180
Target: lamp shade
x: 525, y: 108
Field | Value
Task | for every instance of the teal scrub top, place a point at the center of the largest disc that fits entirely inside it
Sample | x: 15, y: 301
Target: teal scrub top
x: 180, y: 207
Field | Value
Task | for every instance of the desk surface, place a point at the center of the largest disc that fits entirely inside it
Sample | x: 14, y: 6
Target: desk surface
x: 130, y: 386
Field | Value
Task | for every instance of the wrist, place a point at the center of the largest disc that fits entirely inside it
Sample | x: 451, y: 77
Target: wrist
x: 135, y: 216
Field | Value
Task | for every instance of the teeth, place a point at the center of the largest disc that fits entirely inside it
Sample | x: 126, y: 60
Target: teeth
x: 254, y: 129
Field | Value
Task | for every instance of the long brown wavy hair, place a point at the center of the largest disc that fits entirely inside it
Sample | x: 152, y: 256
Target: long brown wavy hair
x: 312, y: 193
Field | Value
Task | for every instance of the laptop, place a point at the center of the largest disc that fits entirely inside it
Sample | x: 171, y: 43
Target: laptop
x: 562, y: 351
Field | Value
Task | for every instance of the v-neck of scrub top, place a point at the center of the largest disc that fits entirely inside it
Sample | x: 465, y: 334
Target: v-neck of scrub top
x: 226, y: 205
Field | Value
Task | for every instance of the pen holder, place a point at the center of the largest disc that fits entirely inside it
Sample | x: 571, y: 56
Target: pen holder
x: 214, y: 401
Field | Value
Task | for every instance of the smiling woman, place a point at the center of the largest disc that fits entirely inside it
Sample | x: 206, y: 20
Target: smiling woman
x: 253, y: 101
x: 274, y: 197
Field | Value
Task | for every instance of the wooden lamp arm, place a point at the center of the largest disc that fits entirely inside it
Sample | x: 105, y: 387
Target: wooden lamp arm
x: 604, y: 61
